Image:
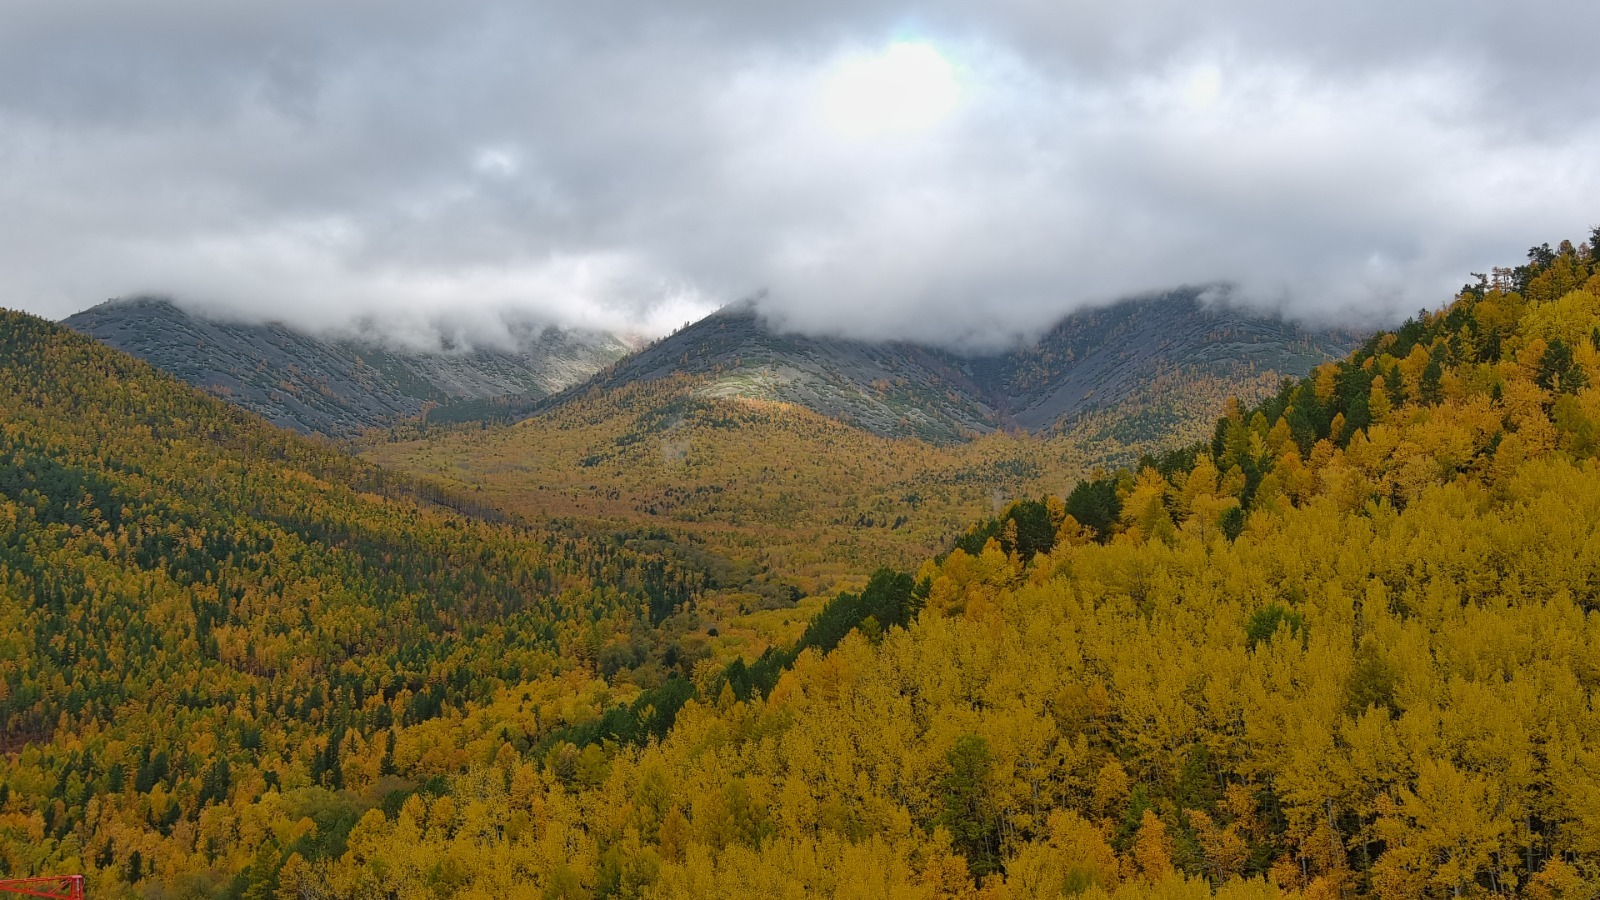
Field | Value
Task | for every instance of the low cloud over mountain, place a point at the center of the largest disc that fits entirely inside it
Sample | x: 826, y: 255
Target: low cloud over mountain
x: 937, y: 172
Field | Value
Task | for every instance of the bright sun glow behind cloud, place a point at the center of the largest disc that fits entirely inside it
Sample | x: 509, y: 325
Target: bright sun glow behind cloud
x: 886, y: 170
x: 906, y: 88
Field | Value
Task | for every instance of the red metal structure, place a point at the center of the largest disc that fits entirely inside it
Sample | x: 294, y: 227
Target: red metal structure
x: 59, y: 887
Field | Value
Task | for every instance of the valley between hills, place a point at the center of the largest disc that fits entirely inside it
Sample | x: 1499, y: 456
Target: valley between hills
x: 815, y: 462
x: 1179, y: 602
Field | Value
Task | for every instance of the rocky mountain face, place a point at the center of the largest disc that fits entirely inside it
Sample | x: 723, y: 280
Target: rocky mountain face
x: 1148, y: 360
x: 1150, y: 364
x: 339, y: 387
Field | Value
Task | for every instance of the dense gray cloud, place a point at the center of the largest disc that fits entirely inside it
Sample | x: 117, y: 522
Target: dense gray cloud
x: 941, y: 171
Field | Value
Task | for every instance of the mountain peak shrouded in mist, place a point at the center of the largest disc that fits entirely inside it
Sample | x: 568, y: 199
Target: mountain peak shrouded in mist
x: 928, y: 172
x: 1154, y: 360
x: 1146, y: 357
x: 340, y: 384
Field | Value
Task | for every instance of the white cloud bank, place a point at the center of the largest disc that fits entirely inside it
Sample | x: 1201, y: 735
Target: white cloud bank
x: 925, y: 171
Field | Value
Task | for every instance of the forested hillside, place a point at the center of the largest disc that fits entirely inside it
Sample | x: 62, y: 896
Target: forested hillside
x: 1346, y: 649
x: 210, y: 628
x: 1349, y: 646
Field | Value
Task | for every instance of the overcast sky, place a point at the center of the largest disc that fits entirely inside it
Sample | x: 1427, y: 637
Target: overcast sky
x: 943, y: 171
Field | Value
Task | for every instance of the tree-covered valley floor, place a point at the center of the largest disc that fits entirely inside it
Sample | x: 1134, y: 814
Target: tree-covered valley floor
x: 1346, y: 645
x: 805, y: 505
x: 775, y: 487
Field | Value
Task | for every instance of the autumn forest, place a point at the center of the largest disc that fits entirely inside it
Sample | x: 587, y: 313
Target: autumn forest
x: 1341, y: 640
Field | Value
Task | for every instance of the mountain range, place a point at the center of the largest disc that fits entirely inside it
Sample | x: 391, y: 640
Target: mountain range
x: 1138, y: 355
x: 1148, y: 362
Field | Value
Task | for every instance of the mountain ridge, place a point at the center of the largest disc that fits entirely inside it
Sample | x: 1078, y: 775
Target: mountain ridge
x: 1091, y: 360
x: 1148, y: 361
x: 339, y: 387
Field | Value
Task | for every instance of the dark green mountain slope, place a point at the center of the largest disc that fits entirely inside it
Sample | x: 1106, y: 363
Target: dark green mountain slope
x: 339, y: 387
